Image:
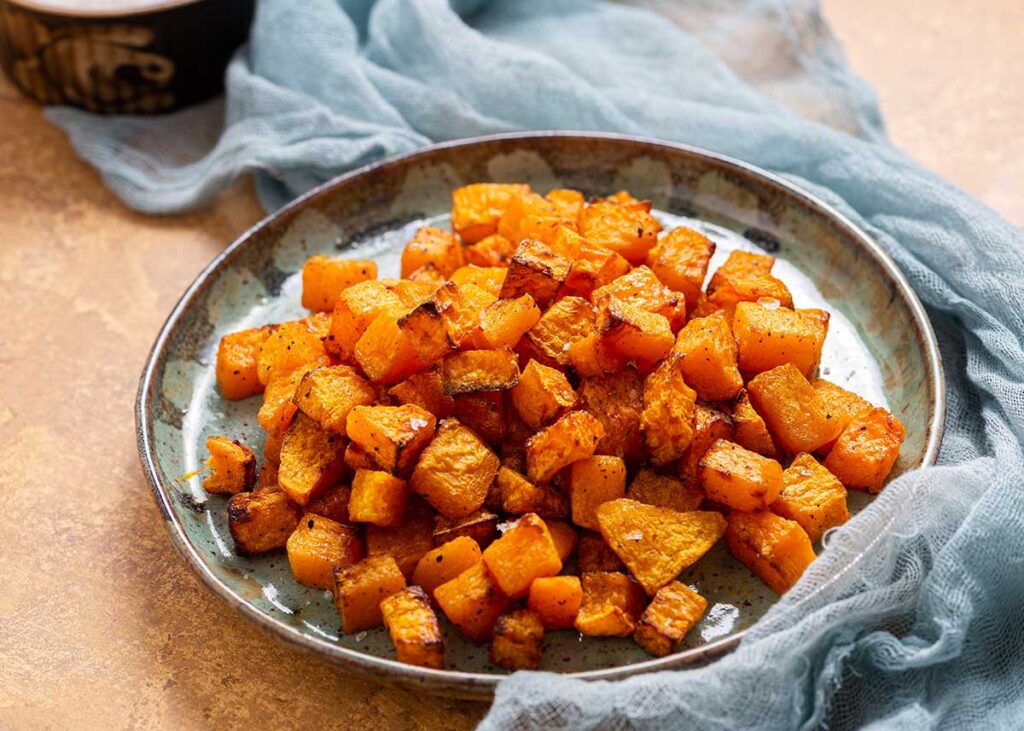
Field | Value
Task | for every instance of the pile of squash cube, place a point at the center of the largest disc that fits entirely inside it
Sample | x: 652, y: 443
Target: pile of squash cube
x: 540, y: 426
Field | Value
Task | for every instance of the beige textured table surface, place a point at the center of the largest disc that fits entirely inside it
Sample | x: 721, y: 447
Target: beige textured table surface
x: 101, y: 625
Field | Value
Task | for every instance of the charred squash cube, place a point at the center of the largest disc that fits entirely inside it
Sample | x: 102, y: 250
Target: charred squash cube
x: 485, y: 412
x: 542, y: 395
x: 708, y: 357
x: 556, y: 600
x: 664, y: 492
x: 667, y: 417
x: 477, y: 208
x: 232, y: 466
x: 318, y: 546
x: 770, y: 336
x: 520, y: 496
x: 612, y: 605
x: 442, y: 564
x: 312, y: 459
x: 455, y: 470
x: 237, y: 359
x: 642, y: 288
x: 435, y: 246
x: 572, y: 437
x: 593, y: 267
x: 385, y: 351
x: 473, y: 602
x: 379, y: 498
x: 480, y: 525
x: 812, y: 496
x: 472, y: 371
x: 565, y: 322
x: 361, y: 587
x: 261, y: 520
x: 426, y: 331
x: 739, y: 478
x: 461, y: 308
x: 278, y: 407
x: 791, y: 408
x: 593, y: 554
x: 673, y: 612
x: 776, y: 549
x: 535, y: 270
x: 391, y: 436
x: 709, y: 425
x: 356, y: 307
x: 323, y: 280
x: 680, y: 260
x: 327, y: 395
x: 866, y: 450
x: 506, y: 321
x: 426, y: 390
x: 405, y: 543
x: 617, y: 402
x: 413, y: 628
x: 634, y: 334
x: 524, y: 553
x: 594, y: 481
x: 491, y: 251
x: 518, y: 640
x: 751, y: 431
x: 332, y: 503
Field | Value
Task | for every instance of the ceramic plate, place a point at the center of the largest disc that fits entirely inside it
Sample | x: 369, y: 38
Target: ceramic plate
x: 880, y: 344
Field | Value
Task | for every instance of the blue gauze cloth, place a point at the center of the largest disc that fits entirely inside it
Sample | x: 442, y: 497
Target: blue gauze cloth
x: 912, y: 616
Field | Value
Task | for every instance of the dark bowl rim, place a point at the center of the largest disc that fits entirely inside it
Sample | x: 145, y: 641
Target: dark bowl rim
x: 454, y: 682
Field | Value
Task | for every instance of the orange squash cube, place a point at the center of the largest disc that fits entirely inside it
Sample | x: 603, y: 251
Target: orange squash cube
x: 611, y: 606
x: 386, y: 352
x: 590, y: 357
x: 278, y: 407
x: 477, y: 208
x: 594, y: 481
x: 739, y: 478
x: 866, y: 450
x: 746, y: 277
x: 323, y: 280
x: 359, y: 589
x: 237, y: 363
x: 564, y: 536
x: 708, y: 357
x: 520, y: 496
x: 537, y: 217
x: 742, y: 265
x: 472, y: 371
x: 319, y: 545
x: 405, y: 543
x: 378, y: 497
x: 472, y: 601
x: 261, y: 521
x: 232, y: 466
x: 628, y: 229
x: 634, y: 334
x: 485, y: 413
x: 517, y: 641
x: 392, y: 437
x: 567, y: 242
x: 673, y: 612
x: 455, y: 470
x: 642, y: 288
x: 480, y: 525
x: 444, y: 563
x: 664, y: 492
x: 840, y: 404
x: 288, y: 348
x: 667, y: 417
x: 426, y: 390
x: 414, y: 292
x: 791, y: 408
x: 776, y: 549
x: 490, y: 251
x: 680, y: 260
x: 812, y: 496
x: 354, y: 310
x: 327, y: 394
x: 574, y: 436
x: 425, y: 330
x: 505, y: 321
x: 311, y: 460
x: 435, y: 246
x: 566, y: 321
x: 413, y: 627
x: 272, y: 450
x: 751, y: 431
x: 332, y: 503
x: 594, y: 554
x: 461, y: 308
x: 535, y: 270
x: 709, y: 425
x: 768, y: 337
x: 542, y: 395
x: 524, y: 553
x: 556, y: 600
x: 593, y: 267
x: 617, y: 401
x: 569, y: 203
x: 267, y: 476
x: 487, y: 278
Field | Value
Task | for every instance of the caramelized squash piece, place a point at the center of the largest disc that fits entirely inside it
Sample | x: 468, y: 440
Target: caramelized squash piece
x: 751, y: 431
x: 746, y: 277
x: 413, y: 627
x: 232, y: 466
x: 642, y: 288
x: 491, y: 251
x: 489, y: 278
x: 526, y: 552
x: 506, y: 321
x: 673, y: 612
x: 485, y: 413
x: 444, y: 563
x: 472, y: 601
x: 355, y: 308
x: 237, y: 360
x: 634, y: 334
x: 323, y: 280
x: 278, y: 407
x: 426, y: 390
x: 593, y: 267
x: 812, y: 496
x: 776, y: 549
x: 332, y: 503
x: 840, y: 404
x: 425, y: 331
x: 318, y: 546
x: 556, y: 600
x: 565, y: 322
x: 435, y: 246
x: 791, y: 408
x: 707, y: 354
x: 461, y: 308
x: 520, y: 496
x: 537, y: 217
x: 311, y: 460
x: 664, y: 492
x: 593, y: 554
x: 327, y: 394
x: 517, y: 641
x: 739, y: 478
x: 617, y: 401
x: 572, y: 437
x: 542, y: 395
x: 378, y: 497
x: 594, y: 481
x: 709, y: 425
x: 866, y: 450
x: 455, y: 470
x: 472, y: 371
x: 611, y: 606
x: 360, y: 588
x: 680, y: 260
x: 564, y: 537
x: 535, y: 270
x: 628, y: 229
x: 770, y: 336
x: 392, y: 437
x: 261, y: 521
x: 405, y: 543
x: 385, y: 351
x: 477, y: 208
x: 667, y: 417
x: 289, y: 347
x: 480, y: 525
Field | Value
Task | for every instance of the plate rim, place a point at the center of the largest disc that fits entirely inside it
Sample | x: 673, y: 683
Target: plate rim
x: 459, y: 683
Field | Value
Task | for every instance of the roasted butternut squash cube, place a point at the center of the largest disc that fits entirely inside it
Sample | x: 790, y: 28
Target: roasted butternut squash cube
x: 564, y: 537
x: 477, y: 208
x: 673, y: 612
x: 480, y: 525
x: 840, y: 404
x: 327, y: 394
x: 628, y: 229
x: 472, y: 602
x: 642, y: 288
x: 324, y: 279
x: 656, y: 544
x: 570, y: 203
x: 611, y: 606
x: 667, y: 417
x: 491, y: 251
x: 739, y: 478
x: 472, y: 371
x: 405, y: 543
x: 791, y: 408
x: 535, y: 270
x: 542, y: 395
x: 391, y: 436
x: 565, y: 322
x: 426, y: 331
x: 426, y: 390
x: 812, y: 496
x: 485, y: 413
x: 461, y: 308
x: 288, y: 348
x: 272, y: 450
x: 267, y: 476
x: 664, y: 492
x: 594, y: 481
x: 751, y: 431
x: 455, y: 471
x: 518, y: 640
x: 356, y: 458
x: 525, y: 552
x: 520, y: 496
x: 505, y: 321
x: 356, y: 307
x: 574, y: 436
x: 237, y: 363
x: 413, y: 627
x: 318, y: 546
x: 866, y: 450
x: 278, y: 407
x: 680, y: 260
x: 386, y: 352
x: 537, y: 217
x: 444, y: 563
x: 556, y: 600
x: 590, y: 357
x: 709, y: 425
x: 567, y: 242
x: 593, y: 554
x: 489, y: 278
x: 261, y: 521
x: 617, y: 401
x: 360, y: 588
x: 413, y: 292
x: 435, y: 246
x: 232, y: 466
x: 776, y: 549
x: 770, y: 336
x: 746, y: 277
x: 634, y: 334
x: 378, y: 497
x: 708, y: 357
x: 332, y: 503
x: 743, y: 264
x: 311, y: 460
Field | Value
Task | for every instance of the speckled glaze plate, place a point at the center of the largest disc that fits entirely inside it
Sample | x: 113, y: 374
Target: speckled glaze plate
x: 880, y: 344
